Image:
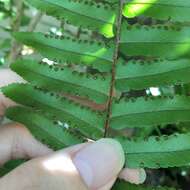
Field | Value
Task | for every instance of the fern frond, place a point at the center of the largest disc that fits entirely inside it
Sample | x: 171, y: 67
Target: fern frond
x: 90, y: 14
x: 54, y: 116
x: 89, y: 122
x: 7, y: 167
x: 144, y: 112
x: 157, y: 152
x: 46, y: 130
x: 64, y: 79
x: 134, y: 75
x: 177, y: 10
x: 167, y: 41
x: 64, y: 49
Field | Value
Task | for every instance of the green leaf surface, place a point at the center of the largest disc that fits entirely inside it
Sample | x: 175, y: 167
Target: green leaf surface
x: 90, y: 14
x: 64, y: 49
x: 157, y: 40
x: 173, y: 10
x: 9, y: 166
x: 144, y: 112
x: 63, y: 79
x: 50, y: 132
x: 157, y: 152
x: 89, y: 122
x: 134, y: 75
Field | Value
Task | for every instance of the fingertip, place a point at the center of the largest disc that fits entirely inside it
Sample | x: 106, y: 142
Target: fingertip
x: 117, y: 148
x: 135, y: 176
x: 23, y: 144
x: 142, y: 177
x: 100, y: 162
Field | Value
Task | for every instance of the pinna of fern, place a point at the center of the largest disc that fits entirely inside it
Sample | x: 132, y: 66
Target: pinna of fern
x: 130, y: 57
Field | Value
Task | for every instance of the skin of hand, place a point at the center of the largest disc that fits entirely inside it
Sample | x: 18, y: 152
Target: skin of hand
x: 93, y: 165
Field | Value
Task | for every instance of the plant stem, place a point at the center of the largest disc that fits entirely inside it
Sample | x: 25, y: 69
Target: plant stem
x: 34, y: 22
x: 17, y: 47
x: 15, y: 25
x: 115, y: 58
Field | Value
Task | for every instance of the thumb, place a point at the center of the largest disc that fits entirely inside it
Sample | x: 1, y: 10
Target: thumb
x: 100, y: 163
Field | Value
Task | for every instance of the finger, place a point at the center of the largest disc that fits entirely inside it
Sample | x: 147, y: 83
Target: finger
x: 5, y: 103
x: 99, y: 162
x: 109, y: 185
x: 74, y: 149
x: 136, y: 176
x: 54, y: 171
x: 7, y: 77
x: 17, y: 142
x: 25, y: 145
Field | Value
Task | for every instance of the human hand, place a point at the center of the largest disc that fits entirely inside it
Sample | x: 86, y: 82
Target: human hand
x: 86, y: 166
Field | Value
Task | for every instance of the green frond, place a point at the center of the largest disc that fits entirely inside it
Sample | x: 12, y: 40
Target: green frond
x: 64, y: 49
x: 177, y: 10
x: 134, y: 75
x: 167, y: 41
x: 48, y: 131
x: 90, y: 14
x: 63, y: 79
x: 122, y: 185
x: 144, y: 112
x: 47, y: 106
x: 157, y: 152
x: 89, y: 122
x: 9, y: 166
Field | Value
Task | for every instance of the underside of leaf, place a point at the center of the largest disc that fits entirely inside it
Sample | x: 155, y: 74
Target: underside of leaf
x: 64, y: 80
x: 177, y: 10
x: 145, y: 112
x: 64, y: 49
x: 50, y: 132
x: 90, y: 14
x: 157, y: 152
x: 60, y: 108
x: 142, y: 74
x: 167, y: 41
